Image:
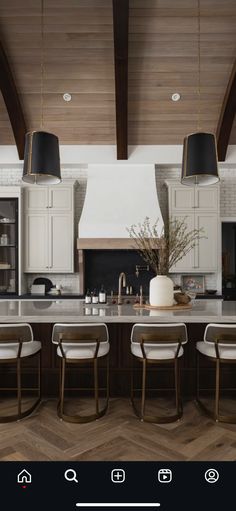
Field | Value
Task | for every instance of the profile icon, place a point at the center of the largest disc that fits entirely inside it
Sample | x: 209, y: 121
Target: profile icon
x: 212, y: 475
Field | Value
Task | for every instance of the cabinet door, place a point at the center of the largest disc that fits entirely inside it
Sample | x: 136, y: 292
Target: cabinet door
x: 187, y: 263
x: 182, y: 198
x: 206, y: 248
x: 36, y: 242
x: 61, y: 242
x: 60, y: 198
x: 206, y: 198
x: 36, y: 198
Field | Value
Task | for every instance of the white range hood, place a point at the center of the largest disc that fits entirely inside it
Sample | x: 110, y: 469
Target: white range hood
x: 117, y: 196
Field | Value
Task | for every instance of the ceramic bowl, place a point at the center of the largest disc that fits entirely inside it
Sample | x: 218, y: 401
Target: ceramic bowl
x: 182, y: 298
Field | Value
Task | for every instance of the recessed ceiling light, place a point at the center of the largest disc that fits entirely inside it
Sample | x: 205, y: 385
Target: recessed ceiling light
x: 176, y: 96
x: 67, y: 96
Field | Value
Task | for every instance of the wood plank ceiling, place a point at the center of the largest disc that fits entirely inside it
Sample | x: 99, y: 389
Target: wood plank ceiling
x: 78, y: 58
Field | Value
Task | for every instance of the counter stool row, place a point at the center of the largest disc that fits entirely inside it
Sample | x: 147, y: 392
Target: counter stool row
x: 150, y: 344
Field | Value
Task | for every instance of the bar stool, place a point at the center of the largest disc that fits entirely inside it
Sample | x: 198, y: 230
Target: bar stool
x: 17, y: 344
x: 158, y: 344
x: 81, y: 344
x: 219, y: 346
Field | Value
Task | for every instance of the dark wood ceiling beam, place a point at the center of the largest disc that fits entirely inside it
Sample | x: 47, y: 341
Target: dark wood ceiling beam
x: 226, y: 117
x: 12, y: 102
x: 121, y: 29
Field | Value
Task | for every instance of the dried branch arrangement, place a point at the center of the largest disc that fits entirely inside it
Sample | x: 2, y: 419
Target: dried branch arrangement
x: 163, y: 251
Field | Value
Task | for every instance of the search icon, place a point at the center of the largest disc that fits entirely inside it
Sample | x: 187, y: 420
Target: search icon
x: 70, y: 475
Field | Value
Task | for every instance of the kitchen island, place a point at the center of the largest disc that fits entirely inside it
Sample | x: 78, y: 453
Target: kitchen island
x: 42, y: 314
x: 56, y: 310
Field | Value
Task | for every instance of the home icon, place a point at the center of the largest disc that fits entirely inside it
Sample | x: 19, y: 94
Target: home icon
x: 24, y: 477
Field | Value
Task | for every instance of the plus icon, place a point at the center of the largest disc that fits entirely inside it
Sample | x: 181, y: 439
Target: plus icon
x: 118, y: 475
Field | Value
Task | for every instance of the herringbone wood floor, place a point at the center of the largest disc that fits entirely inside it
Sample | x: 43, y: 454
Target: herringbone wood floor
x: 117, y: 436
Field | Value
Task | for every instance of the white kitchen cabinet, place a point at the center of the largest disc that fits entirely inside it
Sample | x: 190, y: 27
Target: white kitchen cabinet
x: 200, y: 208
x: 36, y: 248
x: 49, y: 229
x: 185, y: 198
x: 206, y: 250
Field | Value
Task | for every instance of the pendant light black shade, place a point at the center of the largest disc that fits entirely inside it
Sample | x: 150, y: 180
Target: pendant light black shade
x: 41, y: 159
x: 199, y: 166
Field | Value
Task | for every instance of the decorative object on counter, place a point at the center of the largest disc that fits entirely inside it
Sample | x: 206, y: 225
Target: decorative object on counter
x: 54, y: 291
x: 41, y: 157
x: 199, y: 166
x: 193, y: 283
x: 94, y: 297
x: 102, y: 297
x: 88, y: 297
x: 162, y: 252
x: 42, y: 280
x: 182, y: 298
x: 38, y: 289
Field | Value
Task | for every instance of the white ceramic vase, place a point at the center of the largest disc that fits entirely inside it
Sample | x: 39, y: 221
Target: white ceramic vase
x: 161, y: 291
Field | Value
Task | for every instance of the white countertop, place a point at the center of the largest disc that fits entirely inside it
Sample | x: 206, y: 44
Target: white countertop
x: 53, y: 311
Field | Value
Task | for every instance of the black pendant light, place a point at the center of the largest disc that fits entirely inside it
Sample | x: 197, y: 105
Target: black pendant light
x: 200, y: 162
x: 41, y: 158
x: 199, y: 166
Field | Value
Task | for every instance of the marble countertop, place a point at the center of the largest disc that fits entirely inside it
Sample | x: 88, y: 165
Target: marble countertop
x: 52, y: 311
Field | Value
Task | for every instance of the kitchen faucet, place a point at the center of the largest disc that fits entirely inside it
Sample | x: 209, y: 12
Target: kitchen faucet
x: 122, y: 282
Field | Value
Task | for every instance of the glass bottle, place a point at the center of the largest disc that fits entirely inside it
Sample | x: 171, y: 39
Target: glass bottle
x: 102, y: 295
x: 95, y: 297
x: 88, y: 297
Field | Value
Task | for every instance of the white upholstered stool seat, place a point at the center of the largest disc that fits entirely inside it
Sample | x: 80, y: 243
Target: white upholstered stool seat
x: 84, y: 350
x: 82, y: 343
x: 219, y: 346
x: 156, y: 353
x: 208, y: 349
x: 28, y: 348
x: 157, y: 344
x: 17, y: 344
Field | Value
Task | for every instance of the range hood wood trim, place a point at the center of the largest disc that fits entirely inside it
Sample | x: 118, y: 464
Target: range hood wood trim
x: 104, y: 243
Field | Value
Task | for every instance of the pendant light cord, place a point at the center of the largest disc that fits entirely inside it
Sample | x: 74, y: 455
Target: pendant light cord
x: 199, y: 70
x: 42, y: 63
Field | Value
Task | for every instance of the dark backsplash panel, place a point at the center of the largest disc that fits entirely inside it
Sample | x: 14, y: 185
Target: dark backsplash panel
x: 104, y: 267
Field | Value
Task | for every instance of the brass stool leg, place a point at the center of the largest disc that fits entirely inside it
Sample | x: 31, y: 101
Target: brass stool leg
x: 217, y: 390
x: 143, y: 388
x: 132, y: 379
x: 18, y: 363
x: 177, y: 389
x: 108, y: 380
x: 61, y: 402
x: 197, y: 375
x: 95, y: 366
x: 40, y: 375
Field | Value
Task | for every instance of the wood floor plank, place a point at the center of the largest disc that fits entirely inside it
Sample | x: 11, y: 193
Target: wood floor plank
x: 118, y: 436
